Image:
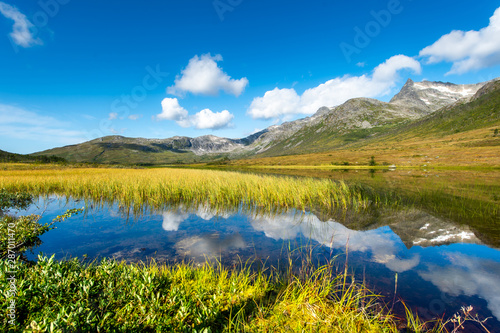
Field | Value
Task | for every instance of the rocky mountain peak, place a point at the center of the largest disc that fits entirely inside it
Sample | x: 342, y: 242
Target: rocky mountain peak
x: 430, y: 96
x: 487, y: 88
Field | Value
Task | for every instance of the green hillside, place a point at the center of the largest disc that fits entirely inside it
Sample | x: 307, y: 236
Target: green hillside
x: 6, y: 157
x: 482, y: 112
x: 343, y: 127
x: 122, y: 150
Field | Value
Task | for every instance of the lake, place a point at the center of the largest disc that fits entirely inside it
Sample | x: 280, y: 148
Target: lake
x: 441, y: 250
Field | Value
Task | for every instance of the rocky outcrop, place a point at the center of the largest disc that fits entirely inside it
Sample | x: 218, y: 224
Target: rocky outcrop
x: 430, y: 96
x: 213, y: 144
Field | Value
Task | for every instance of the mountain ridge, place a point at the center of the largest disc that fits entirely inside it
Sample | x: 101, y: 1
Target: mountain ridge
x: 328, y: 128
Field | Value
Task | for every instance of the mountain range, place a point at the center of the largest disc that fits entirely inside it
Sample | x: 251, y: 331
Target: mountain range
x: 355, y: 122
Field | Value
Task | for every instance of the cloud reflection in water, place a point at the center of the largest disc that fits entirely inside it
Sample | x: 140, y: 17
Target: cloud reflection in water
x: 467, y: 275
x: 172, y: 219
x: 382, y: 244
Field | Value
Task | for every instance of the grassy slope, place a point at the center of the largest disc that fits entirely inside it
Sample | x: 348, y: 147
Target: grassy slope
x: 336, y: 133
x: 11, y: 157
x: 127, y: 151
x: 458, y: 135
x: 481, y: 113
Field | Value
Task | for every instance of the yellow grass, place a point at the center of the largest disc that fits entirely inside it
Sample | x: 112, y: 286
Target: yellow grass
x: 460, y: 149
x: 158, y: 188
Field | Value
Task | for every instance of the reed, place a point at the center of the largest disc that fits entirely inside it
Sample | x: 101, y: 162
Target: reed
x: 158, y: 188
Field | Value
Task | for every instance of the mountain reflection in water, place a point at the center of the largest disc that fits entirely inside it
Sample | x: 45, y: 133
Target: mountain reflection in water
x: 433, y: 257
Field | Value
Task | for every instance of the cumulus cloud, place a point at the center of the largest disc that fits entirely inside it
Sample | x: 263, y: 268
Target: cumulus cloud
x: 468, y: 50
x: 203, y: 76
x: 171, y: 110
x: 282, y: 102
x: 205, y: 119
x: 22, y: 30
x: 275, y: 103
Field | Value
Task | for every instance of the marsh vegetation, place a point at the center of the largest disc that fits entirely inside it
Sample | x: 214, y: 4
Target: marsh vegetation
x: 157, y: 188
x: 112, y: 295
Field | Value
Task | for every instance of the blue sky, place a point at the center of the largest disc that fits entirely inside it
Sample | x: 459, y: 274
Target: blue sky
x: 74, y: 70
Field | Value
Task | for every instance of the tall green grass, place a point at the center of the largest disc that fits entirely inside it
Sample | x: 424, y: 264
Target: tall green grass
x: 111, y: 296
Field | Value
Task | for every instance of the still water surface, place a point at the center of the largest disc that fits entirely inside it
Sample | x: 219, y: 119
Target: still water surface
x: 440, y: 266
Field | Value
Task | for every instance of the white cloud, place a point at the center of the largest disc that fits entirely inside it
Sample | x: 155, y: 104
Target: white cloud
x: 214, y: 120
x: 19, y: 124
x: 171, y: 110
x: 114, y: 115
x: 275, y: 103
x: 203, y: 76
x: 205, y: 119
x: 134, y: 116
x: 88, y: 117
x: 468, y: 50
x: 22, y: 30
x: 117, y: 131
x: 281, y: 102
x: 14, y: 115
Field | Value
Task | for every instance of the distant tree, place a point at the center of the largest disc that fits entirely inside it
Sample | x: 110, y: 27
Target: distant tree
x: 372, y: 161
x: 495, y: 132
